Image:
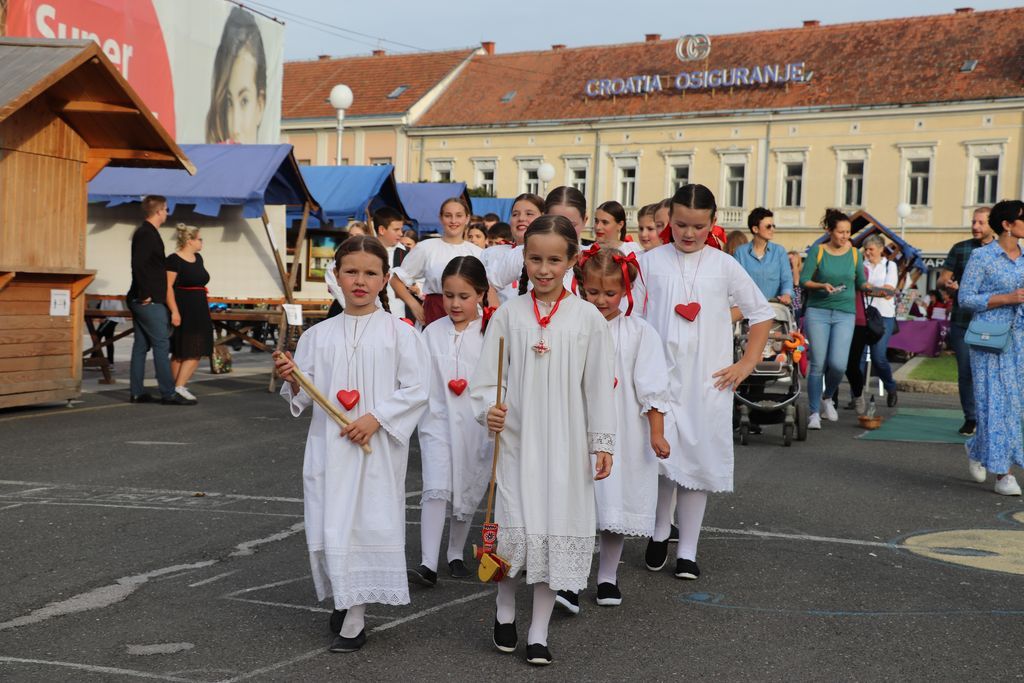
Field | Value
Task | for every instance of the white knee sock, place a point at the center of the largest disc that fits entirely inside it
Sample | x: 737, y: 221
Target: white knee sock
x: 663, y: 515
x: 611, y: 553
x: 458, y: 532
x: 354, y: 621
x: 690, y: 506
x: 431, y: 528
x: 543, y: 604
x: 506, y: 600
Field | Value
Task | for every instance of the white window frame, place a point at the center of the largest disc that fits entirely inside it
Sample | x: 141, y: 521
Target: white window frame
x: 734, y: 156
x: 845, y: 154
x: 527, y: 164
x: 783, y: 158
x: 621, y: 162
x: 917, y: 151
x: 439, y: 166
x: 381, y: 161
x: 674, y: 159
x: 482, y: 165
x: 977, y: 150
x: 577, y: 162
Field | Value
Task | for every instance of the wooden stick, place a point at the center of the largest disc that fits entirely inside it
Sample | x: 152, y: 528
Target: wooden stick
x: 321, y: 400
x: 497, y: 437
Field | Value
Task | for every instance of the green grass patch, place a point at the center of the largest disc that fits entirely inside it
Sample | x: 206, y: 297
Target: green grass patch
x: 941, y: 369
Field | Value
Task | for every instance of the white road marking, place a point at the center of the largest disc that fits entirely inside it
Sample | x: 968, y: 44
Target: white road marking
x: 248, y: 548
x: 267, y: 585
x: 219, y: 511
x: 801, y: 537
x: 431, y: 610
x: 98, y: 669
x: 129, y: 489
x: 159, y: 443
x: 159, y: 649
x: 8, y: 507
x: 218, y: 577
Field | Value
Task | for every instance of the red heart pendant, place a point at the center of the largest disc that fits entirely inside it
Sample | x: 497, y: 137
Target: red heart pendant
x: 348, y: 398
x: 616, y: 383
x: 688, y: 311
x: 457, y: 386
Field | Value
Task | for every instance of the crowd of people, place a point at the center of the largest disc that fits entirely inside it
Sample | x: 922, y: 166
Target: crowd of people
x: 615, y: 415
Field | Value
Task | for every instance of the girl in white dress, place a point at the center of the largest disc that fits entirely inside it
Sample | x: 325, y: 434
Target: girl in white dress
x: 626, y: 500
x: 428, y: 259
x: 372, y: 364
x: 690, y: 289
x: 610, y: 229
x: 559, y: 410
x: 455, y: 449
x: 504, y: 267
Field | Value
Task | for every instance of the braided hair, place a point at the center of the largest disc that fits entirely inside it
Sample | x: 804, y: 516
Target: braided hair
x: 370, y: 245
x: 472, y: 270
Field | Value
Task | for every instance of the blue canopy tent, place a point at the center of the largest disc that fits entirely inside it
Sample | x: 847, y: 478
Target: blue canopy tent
x: 865, y: 224
x: 423, y: 201
x: 350, y: 192
x: 249, y: 176
x: 496, y: 205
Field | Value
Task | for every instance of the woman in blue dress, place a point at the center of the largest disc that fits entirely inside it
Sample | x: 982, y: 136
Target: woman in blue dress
x: 993, y: 288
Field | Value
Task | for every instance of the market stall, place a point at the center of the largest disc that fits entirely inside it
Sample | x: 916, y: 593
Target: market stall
x: 65, y: 114
x: 423, y: 202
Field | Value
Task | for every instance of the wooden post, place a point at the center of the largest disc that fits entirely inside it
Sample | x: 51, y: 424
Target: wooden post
x: 300, y: 245
x: 285, y: 283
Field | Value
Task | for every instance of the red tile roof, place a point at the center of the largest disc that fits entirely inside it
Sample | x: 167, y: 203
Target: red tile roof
x: 897, y: 61
x: 308, y: 83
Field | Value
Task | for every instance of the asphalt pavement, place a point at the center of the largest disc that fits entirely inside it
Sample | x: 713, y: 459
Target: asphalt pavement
x: 165, y: 543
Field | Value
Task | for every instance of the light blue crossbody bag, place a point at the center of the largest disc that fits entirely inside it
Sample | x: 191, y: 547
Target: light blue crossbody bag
x: 992, y: 337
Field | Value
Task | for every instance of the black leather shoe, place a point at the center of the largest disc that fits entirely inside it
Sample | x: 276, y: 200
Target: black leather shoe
x: 177, y: 400
x: 687, y: 569
x: 568, y: 600
x: 673, y: 534
x: 342, y: 644
x: 968, y: 428
x: 538, y: 655
x: 422, y: 576
x: 609, y: 595
x: 656, y: 555
x: 142, y: 398
x: 457, y: 569
x: 892, y: 398
x: 505, y: 636
x: 337, y: 619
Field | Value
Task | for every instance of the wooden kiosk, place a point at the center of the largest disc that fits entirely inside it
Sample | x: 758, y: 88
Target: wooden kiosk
x: 65, y: 114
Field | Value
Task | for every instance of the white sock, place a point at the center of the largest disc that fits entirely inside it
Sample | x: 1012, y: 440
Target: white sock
x: 354, y: 621
x: 663, y: 515
x: 611, y: 553
x: 690, y: 506
x: 458, y: 532
x: 543, y: 605
x: 431, y: 527
x: 506, y: 600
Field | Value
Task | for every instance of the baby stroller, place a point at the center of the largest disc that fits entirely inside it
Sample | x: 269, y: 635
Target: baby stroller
x: 769, y: 395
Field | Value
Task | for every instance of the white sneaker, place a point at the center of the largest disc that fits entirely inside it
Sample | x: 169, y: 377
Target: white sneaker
x: 814, y: 421
x: 1007, y: 486
x: 861, y: 405
x: 184, y: 393
x: 829, y: 410
x: 977, y: 470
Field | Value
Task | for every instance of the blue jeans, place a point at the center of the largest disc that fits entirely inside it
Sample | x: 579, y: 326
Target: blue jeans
x: 152, y: 331
x: 829, y: 334
x: 964, y: 379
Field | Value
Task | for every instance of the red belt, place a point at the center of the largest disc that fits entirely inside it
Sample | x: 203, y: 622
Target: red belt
x: 193, y: 289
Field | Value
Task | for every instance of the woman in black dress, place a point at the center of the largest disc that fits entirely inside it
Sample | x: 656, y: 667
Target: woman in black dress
x: 190, y: 312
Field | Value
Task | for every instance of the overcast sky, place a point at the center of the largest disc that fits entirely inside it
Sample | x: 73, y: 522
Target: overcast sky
x: 537, y: 24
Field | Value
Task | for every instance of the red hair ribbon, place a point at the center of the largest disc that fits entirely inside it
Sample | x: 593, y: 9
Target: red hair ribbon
x: 587, y: 253
x: 624, y: 261
x: 716, y: 238
x: 486, y: 317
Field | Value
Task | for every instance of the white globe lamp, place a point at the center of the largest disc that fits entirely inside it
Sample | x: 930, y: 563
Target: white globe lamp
x: 341, y: 99
x: 903, y: 211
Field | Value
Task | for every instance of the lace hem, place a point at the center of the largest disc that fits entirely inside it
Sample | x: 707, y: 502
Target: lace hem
x: 389, y: 430
x: 358, y: 577
x: 435, y: 494
x: 597, y: 441
x: 563, y: 562
x: 627, y: 525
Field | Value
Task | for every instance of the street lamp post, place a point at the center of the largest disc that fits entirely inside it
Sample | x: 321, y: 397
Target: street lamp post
x: 341, y: 99
x: 903, y: 211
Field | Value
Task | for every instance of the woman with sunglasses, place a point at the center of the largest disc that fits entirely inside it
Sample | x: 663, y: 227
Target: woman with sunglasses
x: 766, y: 263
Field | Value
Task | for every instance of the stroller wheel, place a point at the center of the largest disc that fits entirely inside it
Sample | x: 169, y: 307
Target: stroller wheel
x: 801, y: 422
x: 787, y: 435
x: 744, y: 433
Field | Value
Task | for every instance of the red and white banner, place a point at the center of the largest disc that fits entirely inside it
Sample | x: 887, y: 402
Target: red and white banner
x: 210, y: 70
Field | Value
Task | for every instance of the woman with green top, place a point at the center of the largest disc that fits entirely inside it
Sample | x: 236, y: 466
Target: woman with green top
x: 831, y: 275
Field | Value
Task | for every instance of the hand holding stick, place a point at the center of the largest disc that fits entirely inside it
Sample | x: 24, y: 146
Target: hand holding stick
x: 332, y: 411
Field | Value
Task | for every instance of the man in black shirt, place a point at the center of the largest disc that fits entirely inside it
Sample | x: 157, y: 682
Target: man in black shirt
x: 147, y: 300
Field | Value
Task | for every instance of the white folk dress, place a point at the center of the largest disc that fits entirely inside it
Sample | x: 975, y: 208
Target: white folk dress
x: 355, y: 503
x: 700, y: 429
x: 428, y: 261
x: 493, y: 258
x: 561, y: 409
x: 627, y: 499
x: 456, y: 450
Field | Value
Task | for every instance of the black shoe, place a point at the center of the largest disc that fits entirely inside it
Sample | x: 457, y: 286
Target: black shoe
x: 673, y: 534
x: 423, y: 576
x: 457, y: 569
x: 656, y: 555
x: 568, y: 600
x: 892, y: 398
x: 968, y: 428
x: 177, y: 400
x: 608, y: 595
x: 538, y: 655
x: 143, y: 398
x: 687, y: 569
x: 337, y: 619
x: 505, y: 636
x: 852, y: 405
x: 343, y: 644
